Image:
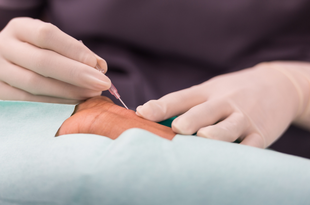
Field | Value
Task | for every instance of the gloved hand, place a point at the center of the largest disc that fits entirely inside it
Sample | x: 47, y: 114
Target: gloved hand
x: 39, y: 62
x: 254, y: 105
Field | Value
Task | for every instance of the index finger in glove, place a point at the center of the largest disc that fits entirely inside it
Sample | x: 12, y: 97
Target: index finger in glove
x: 171, y: 104
x: 53, y: 65
x: 201, y: 115
x: 47, y: 36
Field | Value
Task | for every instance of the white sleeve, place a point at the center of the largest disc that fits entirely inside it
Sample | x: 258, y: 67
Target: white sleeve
x: 20, y: 4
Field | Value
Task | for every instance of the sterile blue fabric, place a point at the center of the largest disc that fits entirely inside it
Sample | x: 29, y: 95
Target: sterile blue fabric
x: 137, y: 168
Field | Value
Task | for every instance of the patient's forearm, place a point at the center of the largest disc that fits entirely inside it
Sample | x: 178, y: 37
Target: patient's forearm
x: 99, y: 115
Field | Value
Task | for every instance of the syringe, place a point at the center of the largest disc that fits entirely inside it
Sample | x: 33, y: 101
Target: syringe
x: 114, y: 92
x: 112, y: 89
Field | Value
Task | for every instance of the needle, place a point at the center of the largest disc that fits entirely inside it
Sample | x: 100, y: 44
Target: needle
x: 113, y: 89
x: 114, y: 92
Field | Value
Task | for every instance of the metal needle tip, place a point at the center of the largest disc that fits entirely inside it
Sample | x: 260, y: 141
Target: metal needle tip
x: 123, y: 103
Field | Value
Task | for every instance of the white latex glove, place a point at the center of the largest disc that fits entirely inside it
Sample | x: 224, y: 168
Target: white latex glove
x: 39, y: 62
x: 254, y: 105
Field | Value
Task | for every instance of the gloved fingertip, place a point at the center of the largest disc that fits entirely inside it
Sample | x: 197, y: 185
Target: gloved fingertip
x: 205, y: 133
x: 254, y: 140
x: 99, y: 82
x: 151, y: 111
x: 181, y: 126
x: 138, y: 111
x: 102, y: 64
x: 202, y: 134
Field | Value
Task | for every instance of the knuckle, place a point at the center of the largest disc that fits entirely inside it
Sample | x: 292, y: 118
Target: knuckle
x: 16, y: 22
x: 44, y: 32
